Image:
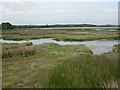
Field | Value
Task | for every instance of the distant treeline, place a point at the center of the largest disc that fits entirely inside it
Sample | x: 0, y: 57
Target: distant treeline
x: 7, y: 25
x: 58, y: 25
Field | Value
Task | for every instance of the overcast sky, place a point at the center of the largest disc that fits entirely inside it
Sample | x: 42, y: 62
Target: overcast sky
x: 51, y: 12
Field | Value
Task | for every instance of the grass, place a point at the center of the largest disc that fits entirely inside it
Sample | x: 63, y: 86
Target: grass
x: 65, y: 35
x: 55, y: 66
x: 8, y: 46
x: 15, y: 49
x: 116, y: 48
x: 87, y: 71
x: 33, y: 71
x: 22, y: 51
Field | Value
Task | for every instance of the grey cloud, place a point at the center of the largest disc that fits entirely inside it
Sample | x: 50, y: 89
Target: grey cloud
x: 51, y: 13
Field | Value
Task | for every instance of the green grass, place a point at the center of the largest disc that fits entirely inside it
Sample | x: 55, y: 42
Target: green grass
x: 56, y: 66
x: 33, y: 70
x: 15, y: 49
x: 86, y: 71
x: 7, y: 46
x: 65, y: 35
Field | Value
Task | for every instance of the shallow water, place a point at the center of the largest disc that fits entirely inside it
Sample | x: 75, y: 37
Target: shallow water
x: 98, y: 47
x: 78, y: 28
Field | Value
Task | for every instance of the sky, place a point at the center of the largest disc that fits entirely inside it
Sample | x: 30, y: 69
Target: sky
x: 40, y: 12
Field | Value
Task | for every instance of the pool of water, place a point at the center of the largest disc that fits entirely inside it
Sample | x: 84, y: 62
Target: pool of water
x: 98, y: 47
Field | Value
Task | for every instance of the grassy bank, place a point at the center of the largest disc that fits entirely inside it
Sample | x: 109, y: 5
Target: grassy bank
x: 8, y: 46
x: 33, y: 70
x: 87, y: 71
x: 59, y: 67
x: 14, y: 49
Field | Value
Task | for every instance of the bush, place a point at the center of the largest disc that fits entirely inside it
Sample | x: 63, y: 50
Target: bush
x: 7, y: 26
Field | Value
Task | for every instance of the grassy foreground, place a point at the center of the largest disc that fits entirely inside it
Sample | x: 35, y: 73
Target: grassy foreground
x: 58, y: 66
x: 88, y: 71
x: 33, y: 70
x: 85, y: 72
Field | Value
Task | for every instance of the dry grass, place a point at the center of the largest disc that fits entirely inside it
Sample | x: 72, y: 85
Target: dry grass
x: 64, y: 35
x: 113, y: 84
x: 21, y: 51
x: 46, y: 32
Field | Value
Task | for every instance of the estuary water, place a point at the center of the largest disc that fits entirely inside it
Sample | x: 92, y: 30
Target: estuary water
x: 78, y: 28
x: 98, y: 47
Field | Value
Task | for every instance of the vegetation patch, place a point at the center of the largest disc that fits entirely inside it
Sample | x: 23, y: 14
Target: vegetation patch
x: 55, y: 66
x: 116, y: 48
x: 22, y: 51
x: 34, y: 70
x: 15, y: 49
x: 86, y: 71
x: 65, y: 35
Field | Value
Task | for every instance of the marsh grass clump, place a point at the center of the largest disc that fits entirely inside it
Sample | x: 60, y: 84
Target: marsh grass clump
x: 86, y: 71
x: 7, y: 46
x: 21, y: 51
x: 116, y: 48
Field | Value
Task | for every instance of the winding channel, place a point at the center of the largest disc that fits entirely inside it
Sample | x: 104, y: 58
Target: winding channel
x: 98, y: 47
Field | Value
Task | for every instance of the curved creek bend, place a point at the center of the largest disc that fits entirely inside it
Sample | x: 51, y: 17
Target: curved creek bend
x: 98, y: 47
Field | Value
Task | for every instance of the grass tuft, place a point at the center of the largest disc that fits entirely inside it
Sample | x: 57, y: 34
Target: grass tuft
x: 21, y: 51
x: 86, y: 71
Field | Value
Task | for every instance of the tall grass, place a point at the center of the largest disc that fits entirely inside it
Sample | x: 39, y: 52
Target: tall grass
x: 7, y: 46
x: 86, y: 71
x: 21, y: 51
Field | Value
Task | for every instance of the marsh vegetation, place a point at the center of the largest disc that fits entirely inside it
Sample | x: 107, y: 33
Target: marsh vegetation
x: 60, y: 35
x: 59, y: 66
x: 50, y: 65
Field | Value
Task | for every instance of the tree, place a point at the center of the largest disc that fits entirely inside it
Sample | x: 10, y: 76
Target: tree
x: 7, y: 25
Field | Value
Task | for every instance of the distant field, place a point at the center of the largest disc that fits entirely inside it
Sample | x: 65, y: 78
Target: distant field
x: 65, y: 35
